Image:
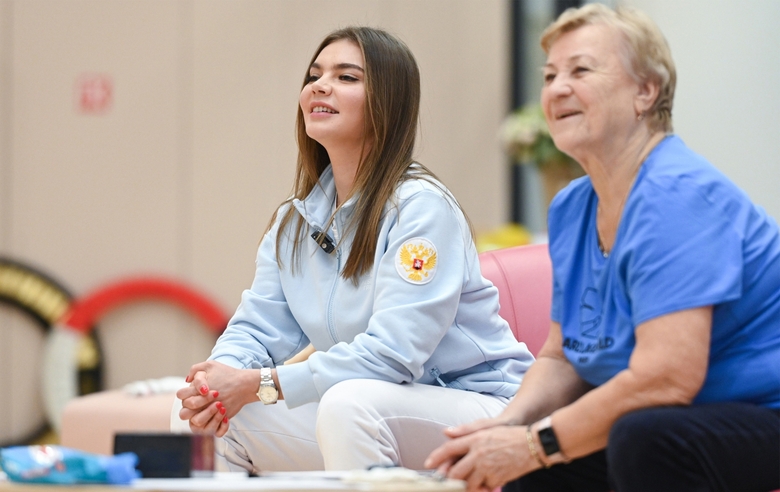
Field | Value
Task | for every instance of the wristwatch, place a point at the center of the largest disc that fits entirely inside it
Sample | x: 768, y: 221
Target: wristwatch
x: 549, y: 440
x: 267, y: 392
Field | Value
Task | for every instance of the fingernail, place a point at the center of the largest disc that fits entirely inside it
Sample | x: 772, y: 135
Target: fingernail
x: 204, y: 389
x: 225, y: 420
x: 215, y: 393
x: 222, y: 410
x: 187, y: 379
x: 219, y: 404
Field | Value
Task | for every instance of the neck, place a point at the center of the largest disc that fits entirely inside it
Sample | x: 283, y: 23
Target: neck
x: 613, y: 173
x: 344, y: 163
x: 612, y: 181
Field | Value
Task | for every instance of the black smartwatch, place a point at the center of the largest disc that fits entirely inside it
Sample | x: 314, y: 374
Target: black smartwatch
x: 549, y: 441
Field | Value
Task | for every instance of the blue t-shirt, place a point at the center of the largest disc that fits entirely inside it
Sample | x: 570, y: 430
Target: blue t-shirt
x: 688, y: 238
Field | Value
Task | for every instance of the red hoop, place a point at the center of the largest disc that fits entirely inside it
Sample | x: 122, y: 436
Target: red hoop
x: 84, y: 312
x: 82, y: 315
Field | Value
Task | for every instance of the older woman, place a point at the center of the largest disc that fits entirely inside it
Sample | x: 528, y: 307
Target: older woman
x: 662, y: 367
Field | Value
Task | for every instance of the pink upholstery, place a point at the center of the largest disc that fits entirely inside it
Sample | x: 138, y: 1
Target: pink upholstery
x: 523, y: 276
x: 90, y: 422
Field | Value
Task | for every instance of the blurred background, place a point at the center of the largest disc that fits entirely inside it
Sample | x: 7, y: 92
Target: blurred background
x: 156, y: 137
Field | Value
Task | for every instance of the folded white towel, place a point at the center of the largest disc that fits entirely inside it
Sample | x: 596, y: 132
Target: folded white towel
x: 146, y: 387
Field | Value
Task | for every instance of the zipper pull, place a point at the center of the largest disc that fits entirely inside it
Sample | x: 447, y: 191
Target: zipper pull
x: 436, y: 373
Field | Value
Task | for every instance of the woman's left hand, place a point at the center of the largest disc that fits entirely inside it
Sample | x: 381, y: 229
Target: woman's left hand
x: 485, y: 459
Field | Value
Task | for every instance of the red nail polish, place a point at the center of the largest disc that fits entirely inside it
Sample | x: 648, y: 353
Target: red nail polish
x: 219, y: 404
x: 215, y: 394
x: 187, y: 379
x: 222, y: 410
x: 225, y: 420
x: 204, y: 389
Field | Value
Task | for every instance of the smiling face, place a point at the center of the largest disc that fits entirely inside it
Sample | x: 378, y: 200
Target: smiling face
x: 334, y: 97
x: 589, y: 98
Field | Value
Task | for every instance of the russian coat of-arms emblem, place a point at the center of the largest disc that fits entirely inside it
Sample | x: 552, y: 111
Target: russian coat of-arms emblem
x: 416, y: 261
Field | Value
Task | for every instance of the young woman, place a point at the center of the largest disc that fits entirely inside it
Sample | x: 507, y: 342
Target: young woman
x: 372, y: 263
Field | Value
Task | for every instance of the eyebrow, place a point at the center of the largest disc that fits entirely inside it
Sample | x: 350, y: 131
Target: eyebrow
x: 573, y: 58
x: 340, y: 66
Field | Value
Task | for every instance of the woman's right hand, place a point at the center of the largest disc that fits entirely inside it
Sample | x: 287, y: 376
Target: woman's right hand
x: 206, y: 414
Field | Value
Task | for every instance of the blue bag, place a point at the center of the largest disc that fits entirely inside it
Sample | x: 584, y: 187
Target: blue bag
x: 61, y: 465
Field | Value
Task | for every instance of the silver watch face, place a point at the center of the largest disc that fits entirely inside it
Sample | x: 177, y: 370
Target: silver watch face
x: 268, y: 394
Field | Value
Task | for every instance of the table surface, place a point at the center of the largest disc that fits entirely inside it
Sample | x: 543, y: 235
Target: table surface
x: 267, y: 484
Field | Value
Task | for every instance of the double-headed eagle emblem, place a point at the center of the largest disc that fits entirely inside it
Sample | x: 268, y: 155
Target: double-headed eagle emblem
x: 416, y: 261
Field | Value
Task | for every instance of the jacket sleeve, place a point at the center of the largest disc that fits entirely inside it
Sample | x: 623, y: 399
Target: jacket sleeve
x: 413, y: 307
x: 262, y: 332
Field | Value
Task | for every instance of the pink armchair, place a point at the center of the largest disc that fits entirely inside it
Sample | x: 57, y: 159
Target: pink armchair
x: 523, y: 276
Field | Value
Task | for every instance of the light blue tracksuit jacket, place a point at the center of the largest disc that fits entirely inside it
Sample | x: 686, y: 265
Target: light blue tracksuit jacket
x: 431, y: 322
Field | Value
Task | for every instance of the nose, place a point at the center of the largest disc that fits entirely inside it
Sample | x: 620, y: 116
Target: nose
x: 320, y: 86
x: 558, y: 87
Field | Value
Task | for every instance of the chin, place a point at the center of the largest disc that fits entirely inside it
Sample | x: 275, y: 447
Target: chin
x: 565, y: 145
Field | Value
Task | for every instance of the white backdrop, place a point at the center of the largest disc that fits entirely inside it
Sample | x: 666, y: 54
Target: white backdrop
x: 727, y: 106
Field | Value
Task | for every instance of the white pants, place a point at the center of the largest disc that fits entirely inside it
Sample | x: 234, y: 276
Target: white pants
x: 358, y: 423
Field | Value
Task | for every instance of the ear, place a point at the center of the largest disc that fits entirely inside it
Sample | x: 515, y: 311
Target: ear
x: 647, y: 93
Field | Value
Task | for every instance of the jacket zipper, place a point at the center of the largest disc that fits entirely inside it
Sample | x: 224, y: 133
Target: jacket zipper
x: 330, y: 321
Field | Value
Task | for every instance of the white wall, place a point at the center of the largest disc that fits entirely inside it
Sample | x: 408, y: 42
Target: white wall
x: 727, y: 54
x: 727, y: 105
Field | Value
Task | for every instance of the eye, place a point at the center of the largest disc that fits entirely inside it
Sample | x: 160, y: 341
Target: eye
x: 548, y: 77
x: 311, y: 78
x: 348, y: 78
x: 580, y: 70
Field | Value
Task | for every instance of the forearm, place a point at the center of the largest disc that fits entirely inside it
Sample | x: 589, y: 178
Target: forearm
x: 245, y: 384
x: 550, y: 383
x: 668, y: 367
x: 248, y: 384
x: 602, y: 407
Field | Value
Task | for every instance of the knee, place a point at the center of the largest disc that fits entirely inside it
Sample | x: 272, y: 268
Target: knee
x: 343, y: 405
x: 627, y: 430
x: 344, y: 395
x: 350, y: 430
x: 632, y: 433
x: 177, y: 425
x: 641, y: 438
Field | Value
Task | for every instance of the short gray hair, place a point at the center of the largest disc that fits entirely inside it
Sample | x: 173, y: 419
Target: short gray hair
x: 649, y: 58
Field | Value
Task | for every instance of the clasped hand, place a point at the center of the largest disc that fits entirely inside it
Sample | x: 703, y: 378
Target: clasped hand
x: 485, y: 454
x: 213, y: 397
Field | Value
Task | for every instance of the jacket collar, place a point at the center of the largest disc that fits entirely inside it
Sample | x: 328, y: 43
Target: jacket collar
x: 316, y: 208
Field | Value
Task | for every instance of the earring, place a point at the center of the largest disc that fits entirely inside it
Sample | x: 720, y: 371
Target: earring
x: 640, y: 116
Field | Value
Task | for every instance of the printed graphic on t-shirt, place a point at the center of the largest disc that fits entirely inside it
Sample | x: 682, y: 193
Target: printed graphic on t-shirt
x: 590, y: 313
x: 590, y: 323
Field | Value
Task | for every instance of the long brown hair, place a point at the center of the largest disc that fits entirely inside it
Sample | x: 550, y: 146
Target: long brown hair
x: 392, y: 84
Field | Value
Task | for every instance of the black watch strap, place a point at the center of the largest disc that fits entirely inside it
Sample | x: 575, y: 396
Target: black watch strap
x: 549, y: 442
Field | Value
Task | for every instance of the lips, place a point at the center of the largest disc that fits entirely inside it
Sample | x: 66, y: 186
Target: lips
x: 323, y: 109
x: 566, y: 113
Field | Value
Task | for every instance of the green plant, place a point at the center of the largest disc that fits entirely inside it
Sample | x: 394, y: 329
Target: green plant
x: 526, y: 137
